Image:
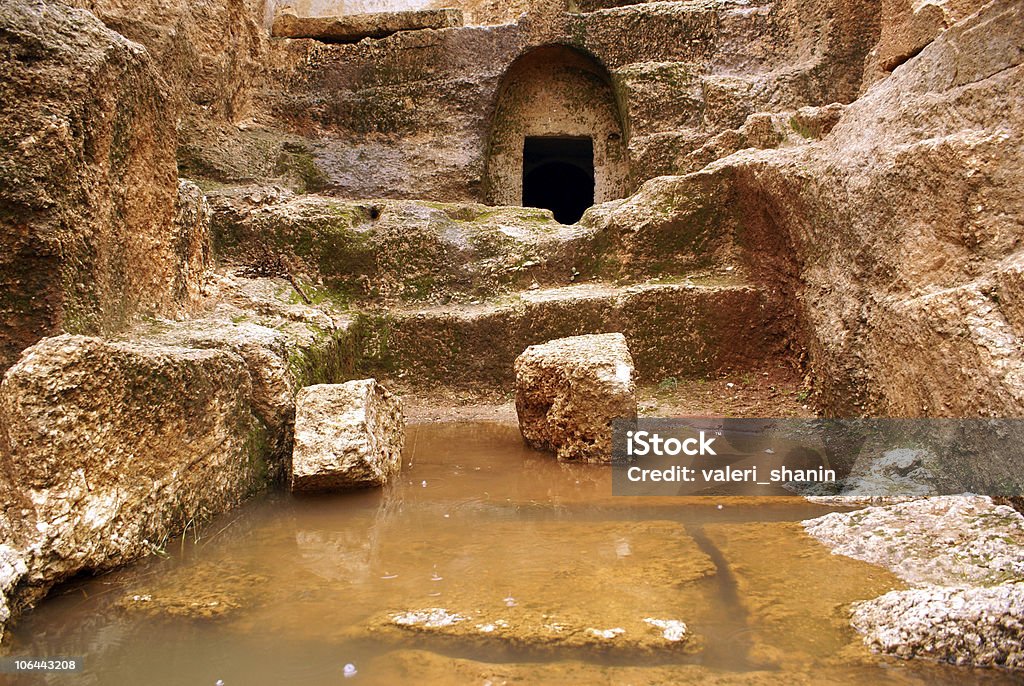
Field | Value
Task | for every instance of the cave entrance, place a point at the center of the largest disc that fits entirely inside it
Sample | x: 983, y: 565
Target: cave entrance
x: 558, y: 175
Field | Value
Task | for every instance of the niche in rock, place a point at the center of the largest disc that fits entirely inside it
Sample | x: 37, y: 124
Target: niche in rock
x: 557, y: 139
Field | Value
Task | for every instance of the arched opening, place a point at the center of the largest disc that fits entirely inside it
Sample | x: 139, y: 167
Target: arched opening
x: 557, y: 139
x: 558, y: 175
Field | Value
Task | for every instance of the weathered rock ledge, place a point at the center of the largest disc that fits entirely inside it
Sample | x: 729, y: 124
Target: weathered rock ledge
x: 351, y: 28
x: 965, y: 557
x: 110, y: 447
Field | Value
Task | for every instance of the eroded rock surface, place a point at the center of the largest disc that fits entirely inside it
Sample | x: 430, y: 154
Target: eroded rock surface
x: 90, y: 183
x: 285, y: 344
x: 966, y: 557
x: 939, y: 540
x: 346, y: 436
x: 351, y: 28
x: 568, y: 392
x: 391, y: 249
x: 113, y: 447
x: 982, y: 626
x: 895, y: 234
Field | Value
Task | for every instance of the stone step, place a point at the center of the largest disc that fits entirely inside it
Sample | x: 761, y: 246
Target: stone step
x: 399, y: 250
x: 692, y: 327
x: 352, y: 28
x: 406, y: 251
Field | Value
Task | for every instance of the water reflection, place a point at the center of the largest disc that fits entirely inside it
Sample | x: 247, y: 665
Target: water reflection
x: 290, y: 590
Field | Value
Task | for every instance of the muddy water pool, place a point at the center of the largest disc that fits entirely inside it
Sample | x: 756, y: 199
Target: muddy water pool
x: 486, y: 563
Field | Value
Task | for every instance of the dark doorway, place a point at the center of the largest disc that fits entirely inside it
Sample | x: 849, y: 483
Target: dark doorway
x: 558, y: 175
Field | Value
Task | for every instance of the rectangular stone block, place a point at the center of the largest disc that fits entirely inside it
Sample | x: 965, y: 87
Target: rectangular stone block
x: 569, y: 390
x: 347, y: 436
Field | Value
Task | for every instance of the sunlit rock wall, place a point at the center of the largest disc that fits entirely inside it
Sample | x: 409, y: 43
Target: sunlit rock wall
x: 418, y: 108
x: 88, y: 201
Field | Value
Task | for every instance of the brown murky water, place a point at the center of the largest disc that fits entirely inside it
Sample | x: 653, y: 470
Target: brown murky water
x: 487, y: 563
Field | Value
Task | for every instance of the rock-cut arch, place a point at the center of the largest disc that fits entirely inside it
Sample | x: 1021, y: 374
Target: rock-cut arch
x: 557, y: 138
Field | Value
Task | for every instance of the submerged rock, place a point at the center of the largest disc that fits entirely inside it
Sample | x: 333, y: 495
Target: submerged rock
x: 548, y: 632
x: 346, y: 436
x: 206, y: 591
x: 792, y: 590
x: 604, y: 587
x: 569, y: 390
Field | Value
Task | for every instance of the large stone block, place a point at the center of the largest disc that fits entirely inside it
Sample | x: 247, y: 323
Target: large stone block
x: 569, y: 390
x: 347, y: 435
x: 109, y: 448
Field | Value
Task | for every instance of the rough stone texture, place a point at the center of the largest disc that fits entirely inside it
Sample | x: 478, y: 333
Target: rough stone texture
x: 346, y: 436
x: 947, y: 540
x: 212, y: 55
x: 285, y: 344
x: 966, y: 626
x: 475, y: 11
x: 109, y: 448
x: 902, y: 279
x: 896, y: 235
x: 569, y: 390
x: 389, y: 250
x: 210, y: 52
x: 906, y: 27
x: 202, y: 408
x: 698, y: 326
x: 192, y: 232
x: 419, y: 104
x: 965, y: 554
x: 351, y: 28
x: 88, y: 200
x: 765, y: 130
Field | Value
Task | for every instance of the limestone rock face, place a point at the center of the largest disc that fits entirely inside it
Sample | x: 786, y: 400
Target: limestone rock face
x: 981, y: 626
x: 347, y: 435
x: 896, y: 234
x: 109, y: 448
x: 569, y: 390
x: 87, y: 154
x: 906, y: 27
x: 209, y: 52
